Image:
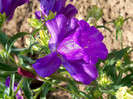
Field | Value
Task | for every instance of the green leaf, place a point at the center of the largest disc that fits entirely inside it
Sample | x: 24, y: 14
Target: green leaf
x: 110, y: 91
x: 37, y: 30
x: 30, y: 47
x: 111, y: 71
x: 45, y: 91
x: 12, y: 81
x: 13, y: 39
x: 23, y: 52
x: 117, y: 54
x: 5, y: 67
x: 27, y: 59
x: 3, y: 38
x: 16, y: 51
x: 84, y: 94
x: 2, y: 87
x: 127, y: 79
x: 5, y: 74
x: 102, y: 26
x: 26, y: 88
x: 117, y: 33
x: 73, y: 86
x: 127, y: 18
x: 2, y: 19
x: 1, y: 95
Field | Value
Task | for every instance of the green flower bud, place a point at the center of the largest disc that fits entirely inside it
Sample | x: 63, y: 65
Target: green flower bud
x: 2, y: 48
x: 124, y: 93
x: 118, y: 63
x: 44, y: 37
x: 34, y: 47
x: 8, y: 97
x: 92, y: 21
x: 50, y: 16
x: 95, y: 12
x: 97, y: 93
x: 119, y: 21
x: 35, y: 23
x: 104, y: 80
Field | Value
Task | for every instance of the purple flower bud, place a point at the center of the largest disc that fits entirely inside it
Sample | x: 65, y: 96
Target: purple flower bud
x: 25, y: 73
x: 57, y: 6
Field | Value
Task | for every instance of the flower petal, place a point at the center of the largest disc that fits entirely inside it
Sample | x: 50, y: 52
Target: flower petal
x: 57, y: 28
x: 72, y: 26
x: 97, y: 49
x: 81, y: 71
x: 38, y: 15
x: 59, y: 4
x: 90, y: 39
x: 18, y: 95
x: 9, y: 6
x: 46, y: 6
x: 69, y: 49
x: 7, y: 83
x: 69, y: 11
x: 87, y: 34
x: 51, y: 5
x: 47, y: 65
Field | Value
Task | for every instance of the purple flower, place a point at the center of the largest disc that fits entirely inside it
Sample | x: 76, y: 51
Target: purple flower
x: 56, y: 6
x: 18, y: 95
x: 74, y: 44
x: 9, y: 6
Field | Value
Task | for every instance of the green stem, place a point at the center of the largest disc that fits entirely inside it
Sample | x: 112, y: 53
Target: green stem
x: 55, y: 76
x: 121, y: 39
x: 10, y: 56
x: 35, y: 97
x: 102, y: 26
x: 63, y: 78
x: 62, y: 87
x: 12, y: 80
x: 50, y: 81
x: 119, y: 77
x: 66, y: 79
x: 19, y: 85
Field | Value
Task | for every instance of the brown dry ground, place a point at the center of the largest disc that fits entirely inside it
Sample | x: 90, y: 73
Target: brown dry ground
x: 111, y: 10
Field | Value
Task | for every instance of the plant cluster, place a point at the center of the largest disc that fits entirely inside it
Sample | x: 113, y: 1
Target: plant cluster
x: 63, y: 49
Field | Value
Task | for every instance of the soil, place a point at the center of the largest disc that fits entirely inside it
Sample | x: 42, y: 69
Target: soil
x: 111, y: 10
